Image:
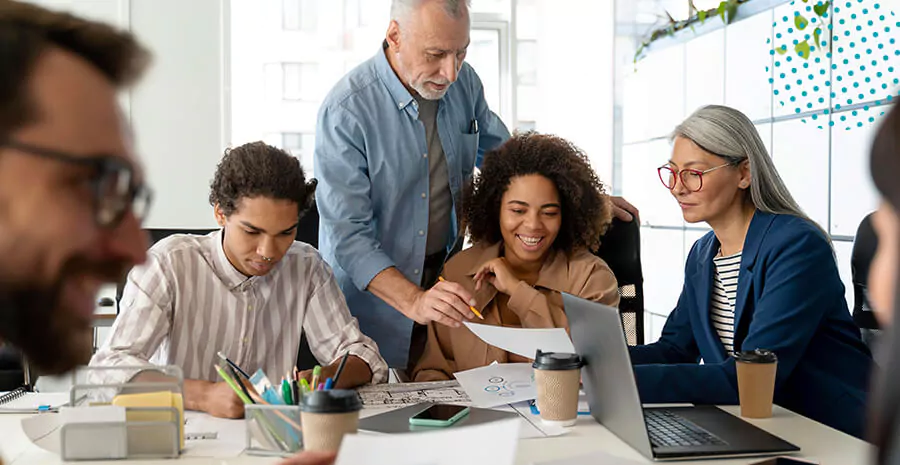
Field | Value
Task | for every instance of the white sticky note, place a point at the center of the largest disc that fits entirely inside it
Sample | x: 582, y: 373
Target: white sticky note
x: 524, y: 341
x: 498, y: 384
x: 97, y: 414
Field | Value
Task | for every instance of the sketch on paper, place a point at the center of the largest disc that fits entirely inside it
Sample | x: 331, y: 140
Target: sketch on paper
x: 405, y: 394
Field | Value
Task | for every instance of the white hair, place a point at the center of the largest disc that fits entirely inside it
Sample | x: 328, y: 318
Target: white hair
x: 401, y: 9
x: 730, y: 135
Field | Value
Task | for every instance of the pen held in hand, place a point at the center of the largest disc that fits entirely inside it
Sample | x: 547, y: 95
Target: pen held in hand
x: 476, y: 312
x: 340, y: 369
x: 231, y: 363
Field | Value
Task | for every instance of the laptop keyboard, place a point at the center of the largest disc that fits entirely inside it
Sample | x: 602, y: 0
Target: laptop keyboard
x: 670, y: 430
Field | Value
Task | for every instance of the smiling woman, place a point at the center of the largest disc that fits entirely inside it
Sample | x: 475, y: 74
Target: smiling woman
x: 534, y: 214
x: 764, y: 278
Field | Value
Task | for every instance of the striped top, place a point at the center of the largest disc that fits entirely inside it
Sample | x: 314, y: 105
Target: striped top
x: 724, y: 294
x: 188, y: 302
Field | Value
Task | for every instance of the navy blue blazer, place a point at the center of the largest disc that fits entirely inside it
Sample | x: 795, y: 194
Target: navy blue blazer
x: 790, y: 299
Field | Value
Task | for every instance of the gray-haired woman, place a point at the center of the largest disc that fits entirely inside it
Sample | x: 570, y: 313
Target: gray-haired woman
x: 764, y: 278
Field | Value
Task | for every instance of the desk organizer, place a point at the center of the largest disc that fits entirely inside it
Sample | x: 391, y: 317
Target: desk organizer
x: 273, y: 430
x: 154, y: 414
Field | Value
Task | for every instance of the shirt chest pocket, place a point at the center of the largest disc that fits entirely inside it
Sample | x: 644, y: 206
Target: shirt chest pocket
x: 467, y: 151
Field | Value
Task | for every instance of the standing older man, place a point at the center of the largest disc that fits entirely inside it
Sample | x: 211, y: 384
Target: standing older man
x: 397, y: 138
x: 71, y: 192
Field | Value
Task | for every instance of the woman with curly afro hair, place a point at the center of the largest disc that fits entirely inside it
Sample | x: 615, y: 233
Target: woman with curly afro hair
x: 534, y: 214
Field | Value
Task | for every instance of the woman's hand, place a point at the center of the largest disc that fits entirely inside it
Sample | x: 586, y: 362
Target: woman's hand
x: 498, y: 273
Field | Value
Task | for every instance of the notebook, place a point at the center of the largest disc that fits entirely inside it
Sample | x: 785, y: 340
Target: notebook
x: 23, y: 401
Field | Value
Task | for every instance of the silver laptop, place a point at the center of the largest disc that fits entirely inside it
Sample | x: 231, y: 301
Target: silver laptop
x: 663, y: 433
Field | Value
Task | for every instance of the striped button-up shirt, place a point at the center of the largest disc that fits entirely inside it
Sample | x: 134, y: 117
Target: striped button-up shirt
x: 187, y: 302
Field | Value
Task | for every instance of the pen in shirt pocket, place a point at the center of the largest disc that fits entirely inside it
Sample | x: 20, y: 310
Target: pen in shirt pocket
x: 473, y: 126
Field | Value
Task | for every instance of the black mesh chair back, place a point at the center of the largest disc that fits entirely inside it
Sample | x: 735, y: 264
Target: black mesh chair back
x: 863, y: 251
x: 620, y: 248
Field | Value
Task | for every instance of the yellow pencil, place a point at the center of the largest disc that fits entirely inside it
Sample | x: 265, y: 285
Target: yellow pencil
x: 441, y: 279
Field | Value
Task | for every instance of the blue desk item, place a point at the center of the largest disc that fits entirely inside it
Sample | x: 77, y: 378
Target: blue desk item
x: 535, y: 411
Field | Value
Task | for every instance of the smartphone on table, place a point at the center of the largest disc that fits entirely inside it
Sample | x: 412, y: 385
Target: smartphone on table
x: 784, y: 461
x: 439, y: 415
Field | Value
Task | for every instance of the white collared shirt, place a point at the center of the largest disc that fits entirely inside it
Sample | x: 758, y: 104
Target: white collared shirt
x: 187, y: 302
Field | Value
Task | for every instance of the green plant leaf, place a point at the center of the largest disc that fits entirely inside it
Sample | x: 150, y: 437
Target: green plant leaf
x: 721, y: 11
x: 821, y: 8
x: 701, y: 15
x: 781, y: 50
x: 816, y: 36
x: 801, y: 22
x: 731, y: 9
x: 802, y: 49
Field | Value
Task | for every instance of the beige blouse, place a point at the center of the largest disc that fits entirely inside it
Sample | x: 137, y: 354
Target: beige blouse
x: 450, y: 350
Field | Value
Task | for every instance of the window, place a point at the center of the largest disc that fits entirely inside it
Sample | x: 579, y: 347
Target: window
x: 299, y: 81
x: 299, y: 15
x: 297, y: 142
x: 527, y: 62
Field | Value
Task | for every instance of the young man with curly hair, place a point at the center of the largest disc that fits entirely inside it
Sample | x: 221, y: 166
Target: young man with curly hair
x: 248, y: 290
x: 534, y: 214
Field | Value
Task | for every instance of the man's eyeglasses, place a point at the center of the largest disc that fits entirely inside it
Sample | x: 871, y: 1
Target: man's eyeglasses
x: 690, y: 178
x: 113, y: 184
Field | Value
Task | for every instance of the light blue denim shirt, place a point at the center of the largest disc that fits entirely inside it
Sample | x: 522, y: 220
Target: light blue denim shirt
x: 373, y: 183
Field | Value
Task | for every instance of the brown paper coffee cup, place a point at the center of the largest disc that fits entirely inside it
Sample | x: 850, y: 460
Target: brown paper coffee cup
x: 557, y: 397
x: 325, y: 431
x: 558, y: 376
x: 756, y: 385
x: 327, y: 416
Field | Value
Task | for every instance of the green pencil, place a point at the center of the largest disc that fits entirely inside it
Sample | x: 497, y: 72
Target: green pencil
x: 232, y: 385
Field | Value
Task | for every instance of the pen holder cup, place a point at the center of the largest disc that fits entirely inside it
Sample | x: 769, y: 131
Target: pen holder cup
x: 273, y: 430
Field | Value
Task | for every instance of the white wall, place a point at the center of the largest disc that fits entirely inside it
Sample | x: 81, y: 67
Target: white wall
x: 178, y: 110
x: 576, y: 73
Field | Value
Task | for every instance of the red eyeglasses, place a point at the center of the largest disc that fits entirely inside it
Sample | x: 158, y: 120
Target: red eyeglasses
x: 691, y: 179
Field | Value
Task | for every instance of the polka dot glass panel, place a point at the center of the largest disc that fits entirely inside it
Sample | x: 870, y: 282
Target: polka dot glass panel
x: 839, y: 58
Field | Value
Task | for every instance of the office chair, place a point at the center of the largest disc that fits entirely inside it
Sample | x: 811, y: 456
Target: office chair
x: 12, y: 368
x: 863, y: 250
x: 308, y: 232
x: 620, y: 248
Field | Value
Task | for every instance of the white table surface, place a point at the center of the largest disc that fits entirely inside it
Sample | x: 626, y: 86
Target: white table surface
x: 818, y: 442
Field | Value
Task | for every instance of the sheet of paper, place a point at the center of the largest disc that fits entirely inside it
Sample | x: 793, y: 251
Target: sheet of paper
x: 596, y: 458
x: 229, y: 441
x: 531, y: 427
x: 498, y: 384
x: 381, y: 396
x: 490, y: 443
x: 523, y: 341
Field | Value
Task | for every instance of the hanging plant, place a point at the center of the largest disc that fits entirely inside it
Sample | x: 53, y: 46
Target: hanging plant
x: 727, y: 11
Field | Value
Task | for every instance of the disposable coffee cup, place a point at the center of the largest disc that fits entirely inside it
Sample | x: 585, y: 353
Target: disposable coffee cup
x: 558, y: 376
x: 327, y: 416
x: 756, y: 381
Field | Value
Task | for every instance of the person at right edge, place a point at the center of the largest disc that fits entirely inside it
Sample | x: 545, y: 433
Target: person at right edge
x: 765, y: 277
